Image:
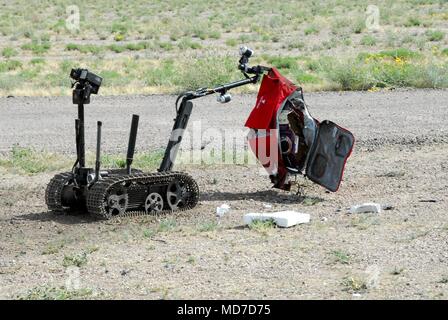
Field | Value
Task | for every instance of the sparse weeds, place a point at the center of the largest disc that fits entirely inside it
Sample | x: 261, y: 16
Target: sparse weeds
x: 149, y: 233
x: 311, y: 201
x: 310, y: 30
x: 37, y: 47
x: 207, y: 226
x: 339, y: 256
x: 262, y: 226
x: 354, y: 284
x: 397, y: 271
x: 53, y: 248
x: 55, y: 293
x: 9, y: 52
x: 77, y: 260
x: 211, y: 29
x: 167, y: 225
x: 29, y: 161
x: 191, y: 260
x: 435, y: 35
x: 363, y: 222
x: 10, y: 65
x: 86, y: 48
x: 25, y: 160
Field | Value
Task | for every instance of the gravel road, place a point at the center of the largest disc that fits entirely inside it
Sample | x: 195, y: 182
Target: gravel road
x: 376, y: 118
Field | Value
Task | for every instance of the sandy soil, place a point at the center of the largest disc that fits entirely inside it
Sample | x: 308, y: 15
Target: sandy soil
x: 400, y: 160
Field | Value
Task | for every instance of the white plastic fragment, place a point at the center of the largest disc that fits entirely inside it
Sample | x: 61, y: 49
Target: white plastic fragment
x: 366, y: 207
x: 222, y: 210
x: 282, y: 219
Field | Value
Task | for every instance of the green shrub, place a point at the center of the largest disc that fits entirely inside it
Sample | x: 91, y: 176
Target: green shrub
x: 162, y: 75
x: 368, y: 40
x: 393, y: 75
x: 214, y: 34
x: 282, y: 62
x: 232, y: 42
x: 29, y: 73
x: 77, y: 260
x: 136, y: 46
x: 301, y: 76
x: 119, y: 27
x: 413, y: 22
x: 262, y: 226
x: 205, y: 72
x: 10, y: 65
x: 9, y: 52
x: 401, y: 53
x: 296, y: 45
x: 9, y: 82
x: 53, y: 293
x: 350, y: 75
x: 116, y: 48
x: 188, y: 44
x: 36, y: 47
x: 37, y: 61
x: 71, y: 47
x: 435, y: 35
x: 29, y: 161
x: 311, y: 29
x: 167, y: 46
x: 86, y: 48
x: 359, y: 26
x: 430, y: 75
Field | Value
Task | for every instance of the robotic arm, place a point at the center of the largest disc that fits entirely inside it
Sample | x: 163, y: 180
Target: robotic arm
x: 183, y: 111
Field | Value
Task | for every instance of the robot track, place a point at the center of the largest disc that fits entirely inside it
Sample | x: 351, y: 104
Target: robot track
x: 142, y: 193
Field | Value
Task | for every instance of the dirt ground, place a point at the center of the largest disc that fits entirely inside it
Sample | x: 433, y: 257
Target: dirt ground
x: 400, y: 160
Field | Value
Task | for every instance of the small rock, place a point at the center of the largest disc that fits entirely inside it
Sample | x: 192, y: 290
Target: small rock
x: 222, y: 210
x: 124, y: 272
x: 365, y: 208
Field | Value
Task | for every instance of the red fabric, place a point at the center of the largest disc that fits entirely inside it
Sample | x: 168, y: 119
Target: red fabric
x: 274, y: 89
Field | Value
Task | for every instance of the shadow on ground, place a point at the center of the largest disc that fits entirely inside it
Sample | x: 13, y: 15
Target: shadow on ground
x: 271, y: 196
x: 69, y: 218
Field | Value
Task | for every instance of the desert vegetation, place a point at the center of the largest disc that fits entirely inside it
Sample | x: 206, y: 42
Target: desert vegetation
x: 164, y: 47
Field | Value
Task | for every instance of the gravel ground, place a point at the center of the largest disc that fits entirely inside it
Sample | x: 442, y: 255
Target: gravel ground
x: 392, y: 117
x: 400, y: 160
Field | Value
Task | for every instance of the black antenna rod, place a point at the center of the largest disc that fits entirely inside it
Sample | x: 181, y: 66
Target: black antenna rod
x: 98, y: 151
x: 81, y: 141
x: 131, y: 144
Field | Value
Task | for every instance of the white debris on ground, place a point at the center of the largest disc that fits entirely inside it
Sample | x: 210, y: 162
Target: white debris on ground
x: 222, y: 210
x: 366, y: 208
x: 282, y: 219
